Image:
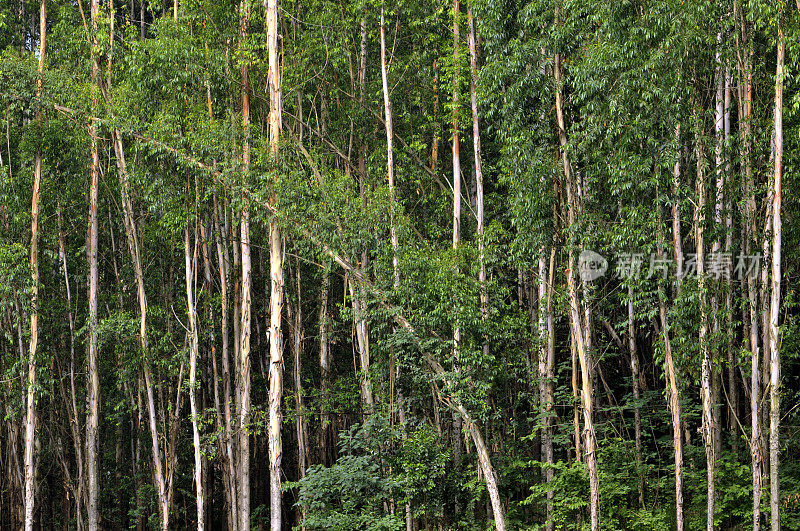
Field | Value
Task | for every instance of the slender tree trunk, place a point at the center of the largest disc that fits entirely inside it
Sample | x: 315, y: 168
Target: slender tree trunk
x: 327, y: 430
x: 387, y: 108
x: 93, y: 399
x: 546, y: 368
x: 775, y: 298
x: 243, y: 391
x: 457, y: 420
x: 637, y: 414
x: 744, y: 55
x: 71, y: 404
x: 30, y: 408
x: 190, y: 261
x: 674, y: 401
x: 719, y: 128
x: 579, y: 335
x: 276, y: 280
x: 707, y: 426
x: 229, y: 474
x: 476, y: 144
x: 295, y: 315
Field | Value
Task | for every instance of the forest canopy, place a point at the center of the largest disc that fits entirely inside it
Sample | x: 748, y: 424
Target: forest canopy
x: 399, y: 264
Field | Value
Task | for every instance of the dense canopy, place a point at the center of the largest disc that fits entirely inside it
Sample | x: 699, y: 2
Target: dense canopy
x: 399, y: 264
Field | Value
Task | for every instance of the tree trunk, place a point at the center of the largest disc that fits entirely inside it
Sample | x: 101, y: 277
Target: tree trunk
x: 775, y: 298
x: 744, y: 55
x: 326, y: 430
x: 637, y: 414
x: 229, y: 474
x: 243, y: 380
x: 476, y: 144
x: 387, y: 108
x: 30, y: 407
x: 190, y: 261
x: 578, y: 333
x: 276, y: 280
x: 93, y: 399
x: 295, y: 315
x: 674, y: 401
x: 546, y: 372
x: 708, y: 428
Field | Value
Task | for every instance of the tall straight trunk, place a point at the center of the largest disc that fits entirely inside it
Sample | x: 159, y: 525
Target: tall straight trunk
x: 93, y: 398
x: 356, y: 292
x: 30, y: 406
x: 719, y: 171
x: 295, y: 315
x: 637, y: 413
x: 674, y: 401
x: 243, y: 380
x: 546, y: 371
x: 387, y: 108
x: 708, y: 428
x: 578, y: 333
x: 744, y: 63
x: 435, y: 139
x: 229, y: 477
x: 72, y: 403
x: 457, y: 421
x: 190, y: 260
x: 456, y: 140
x: 476, y: 144
x: 362, y: 342
x: 327, y: 429
x: 775, y: 298
x: 276, y: 280
x: 733, y: 388
x: 226, y: 441
x: 161, y: 480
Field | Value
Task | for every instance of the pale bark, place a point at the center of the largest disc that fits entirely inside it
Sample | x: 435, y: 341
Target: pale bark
x: 190, y: 266
x: 546, y: 372
x: 229, y: 474
x: 243, y: 380
x: 387, y: 109
x: 707, y: 426
x: 476, y: 144
x: 775, y: 298
x: 579, y: 334
x: 674, y: 401
x: 30, y: 405
x: 744, y: 63
x: 276, y: 280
